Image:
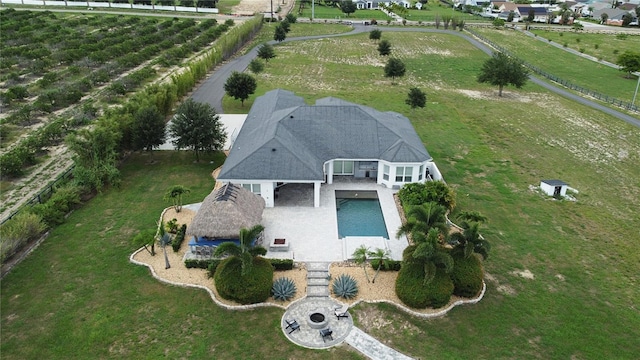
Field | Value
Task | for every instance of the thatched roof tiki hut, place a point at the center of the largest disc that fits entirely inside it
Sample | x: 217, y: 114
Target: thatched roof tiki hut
x: 225, y: 211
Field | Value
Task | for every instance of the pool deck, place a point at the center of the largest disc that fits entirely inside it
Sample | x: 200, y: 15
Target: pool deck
x: 313, y: 232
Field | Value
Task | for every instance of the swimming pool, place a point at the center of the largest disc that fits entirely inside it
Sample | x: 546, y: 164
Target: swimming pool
x: 359, y: 214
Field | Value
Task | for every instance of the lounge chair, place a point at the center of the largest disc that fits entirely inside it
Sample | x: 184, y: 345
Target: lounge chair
x: 326, y: 333
x: 293, y: 325
x: 198, y: 250
x: 341, y: 312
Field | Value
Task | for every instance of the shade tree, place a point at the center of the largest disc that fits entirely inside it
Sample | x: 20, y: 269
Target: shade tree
x: 394, y: 68
x: 502, y: 70
x: 196, y: 126
x: 416, y: 98
x: 240, y: 86
x: 266, y: 52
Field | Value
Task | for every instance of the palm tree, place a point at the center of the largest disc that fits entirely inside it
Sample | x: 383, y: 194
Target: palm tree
x: 382, y: 256
x: 175, y: 194
x: 474, y: 216
x: 423, y: 218
x: 430, y: 254
x: 470, y: 241
x: 164, y: 239
x: 245, y: 251
x: 360, y: 257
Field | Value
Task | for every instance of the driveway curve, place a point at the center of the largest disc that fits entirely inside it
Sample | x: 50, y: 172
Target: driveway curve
x: 212, y: 89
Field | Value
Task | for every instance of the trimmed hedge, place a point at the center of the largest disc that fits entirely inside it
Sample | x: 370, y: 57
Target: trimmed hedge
x: 282, y: 264
x: 467, y: 275
x: 391, y: 265
x: 210, y: 264
x: 177, y: 241
x: 254, y: 287
x: 412, y: 291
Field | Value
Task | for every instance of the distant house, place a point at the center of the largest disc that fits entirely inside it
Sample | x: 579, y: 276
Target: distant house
x: 540, y: 14
x: 554, y: 187
x: 614, y: 16
x: 285, y: 141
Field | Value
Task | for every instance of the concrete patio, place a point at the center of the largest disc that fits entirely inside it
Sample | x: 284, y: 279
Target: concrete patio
x: 312, y: 233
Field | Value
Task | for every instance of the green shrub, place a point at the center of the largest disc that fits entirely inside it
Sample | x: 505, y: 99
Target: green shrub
x: 420, y: 193
x: 62, y: 201
x: 282, y: 264
x: 212, y: 267
x: 466, y: 275
x: 172, y: 226
x: 177, y: 241
x: 410, y: 287
x: 18, y: 231
x: 439, y: 290
x: 283, y: 289
x: 411, y: 290
x: 201, y: 264
x: 389, y: 265
x: 345, y: 286
x: 254, y: 287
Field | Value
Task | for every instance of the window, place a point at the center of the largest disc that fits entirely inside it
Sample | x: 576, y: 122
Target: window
x: 385, y: 172
x: 254, y: 188
x: 341, y: 167
x: 403, y: 173
x: 420, y: 172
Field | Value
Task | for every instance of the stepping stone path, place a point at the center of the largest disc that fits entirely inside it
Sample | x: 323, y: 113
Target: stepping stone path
x: 317, y: 279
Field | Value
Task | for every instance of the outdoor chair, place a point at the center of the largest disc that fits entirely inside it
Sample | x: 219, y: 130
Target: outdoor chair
x: 292, y: 325
x: 206, y: 252
x: 341, y: 312
x: 326, y: 333
x: 199, y: 250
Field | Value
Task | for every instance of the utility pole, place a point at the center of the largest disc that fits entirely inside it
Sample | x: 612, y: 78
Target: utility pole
x: 633, y: 102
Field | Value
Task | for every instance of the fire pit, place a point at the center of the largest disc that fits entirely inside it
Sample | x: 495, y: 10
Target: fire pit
x: 317, y: 320
x: 279, y: 245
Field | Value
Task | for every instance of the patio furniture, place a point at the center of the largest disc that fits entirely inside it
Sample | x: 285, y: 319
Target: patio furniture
x: 341, y: 312
x: 207, y: 252
x: 326, y: 333
x: 293, y: 325
x: 198, y: 250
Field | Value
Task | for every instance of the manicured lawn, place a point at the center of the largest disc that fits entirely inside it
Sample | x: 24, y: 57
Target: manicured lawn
x: 580, y: 71
x: 77, y: 295
x: 429, y: 13
x: 602, y: 46
x: 78, y: 291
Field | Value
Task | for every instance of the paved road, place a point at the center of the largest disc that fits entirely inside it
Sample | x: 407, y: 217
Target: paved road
x: 212, y: 90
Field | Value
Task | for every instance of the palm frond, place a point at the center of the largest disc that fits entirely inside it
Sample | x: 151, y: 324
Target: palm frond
x: 227, y: 248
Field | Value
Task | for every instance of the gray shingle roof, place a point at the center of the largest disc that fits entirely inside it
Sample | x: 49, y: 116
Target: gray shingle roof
x: 285, y: 139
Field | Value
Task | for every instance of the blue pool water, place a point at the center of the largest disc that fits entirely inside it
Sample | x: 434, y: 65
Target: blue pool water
x: 360, y: 217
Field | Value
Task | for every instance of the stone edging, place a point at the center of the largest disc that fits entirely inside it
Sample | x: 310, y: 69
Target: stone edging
x: 266, y: 304
x: 428, y: 316
x: 211, y: 294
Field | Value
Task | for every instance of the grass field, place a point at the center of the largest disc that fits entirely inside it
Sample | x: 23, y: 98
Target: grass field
x: 79, y: 292
x: 586, y: 73
x: 334, y: 13
x: 602, y: 46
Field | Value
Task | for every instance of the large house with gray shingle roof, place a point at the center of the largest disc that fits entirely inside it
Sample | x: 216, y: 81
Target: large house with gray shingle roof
x: 284, y: 140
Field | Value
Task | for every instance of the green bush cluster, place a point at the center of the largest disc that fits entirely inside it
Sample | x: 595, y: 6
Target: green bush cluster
x: 18, y: 231
x: 412, y: 291
x: 177, y: 241
x: 282, y: 264
x: 254, y: 287
x: 430, y: 191
x: 61, y: 202
x: 467, y: 275
x: 389, y: 265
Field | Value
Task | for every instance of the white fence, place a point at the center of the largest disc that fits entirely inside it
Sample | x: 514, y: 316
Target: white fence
x: 94, y: 4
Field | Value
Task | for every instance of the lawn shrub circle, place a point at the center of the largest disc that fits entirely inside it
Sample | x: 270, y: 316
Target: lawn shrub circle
x: 254, y: 287
x: 467, y: 275
x: 411, y: 290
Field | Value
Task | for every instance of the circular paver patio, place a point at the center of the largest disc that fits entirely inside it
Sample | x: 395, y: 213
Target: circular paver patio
x: 309, y: 337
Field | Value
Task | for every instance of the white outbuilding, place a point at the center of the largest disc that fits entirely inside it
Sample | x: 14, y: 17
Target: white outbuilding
x: 554, y: 187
